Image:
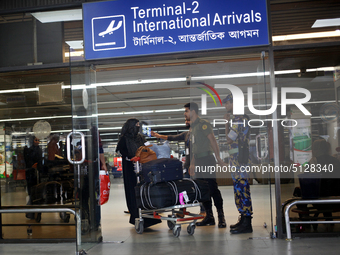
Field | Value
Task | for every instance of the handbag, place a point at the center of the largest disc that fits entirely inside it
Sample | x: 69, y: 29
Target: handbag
x: 105, y: 185
x: 145, y: 154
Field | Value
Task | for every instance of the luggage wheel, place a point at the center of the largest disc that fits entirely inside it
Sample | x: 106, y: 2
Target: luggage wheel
x: 171, y: 225
x: 65, y: 217
x: 85, y: 227
x: 191, y: 228
x: 177, y: 230
x: 62, y: 215
x: 82, y: 252
x: 139, y: 226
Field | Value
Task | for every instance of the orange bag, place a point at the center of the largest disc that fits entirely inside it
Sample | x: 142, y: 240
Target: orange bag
x: 145, y: 154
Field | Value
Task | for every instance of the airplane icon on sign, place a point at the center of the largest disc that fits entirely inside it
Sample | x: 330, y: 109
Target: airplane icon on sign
x: 110, y: 29
x: 108, y: 33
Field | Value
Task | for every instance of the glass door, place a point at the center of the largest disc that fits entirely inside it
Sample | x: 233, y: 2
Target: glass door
x: 156, y: 93
x: 311, y: 143
x: 84, y: 157
x: 244, y: 83
x: 36, y: 116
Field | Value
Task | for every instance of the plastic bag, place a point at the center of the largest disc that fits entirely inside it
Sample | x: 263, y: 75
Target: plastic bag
x: 105, y: 185
x: 162, y: 150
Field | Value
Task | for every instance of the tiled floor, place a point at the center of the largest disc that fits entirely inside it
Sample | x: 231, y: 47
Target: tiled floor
x: 121, y: 238
x: 310, y: 246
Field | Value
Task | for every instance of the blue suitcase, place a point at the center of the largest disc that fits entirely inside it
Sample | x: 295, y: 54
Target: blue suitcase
x: 162, y: 170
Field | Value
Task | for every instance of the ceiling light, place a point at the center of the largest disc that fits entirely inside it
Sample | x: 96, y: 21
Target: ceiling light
x: 169, y: 110
x: 141, y: 112
x: 152, y: 126
x: 130, y: 113
x: 135, y: 82
x: 305, y: 36
x: 38, y: 118
x: 124, y: 113
x: 287, y: 71
x: 167, y: 125
x: 228, y: 76
x: 320, y: 69
x: 62, y: 131
x: 165, y: 80
x: 183, y: 79
x: 110, y: 128
x: 85, y: 116
x: 143, y: 100
x: 104, y: 134
x: 326, y: 23
x: 32, y: 133
x: 58, y: 16
x: 19, y: 90
x: 172, y: 131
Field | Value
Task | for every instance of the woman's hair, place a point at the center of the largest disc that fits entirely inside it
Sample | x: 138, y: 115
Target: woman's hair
x: 321, y: 147
x: 129, y: 127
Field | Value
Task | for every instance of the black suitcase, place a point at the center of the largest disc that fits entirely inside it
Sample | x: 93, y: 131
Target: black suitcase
x: 162, y: 170
x: 166, y: 194
x: 154, y: 196
x: 46, y: 193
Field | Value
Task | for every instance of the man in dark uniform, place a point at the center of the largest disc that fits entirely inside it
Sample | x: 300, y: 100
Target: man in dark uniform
x: 204, y: 146
x: 237, y: 134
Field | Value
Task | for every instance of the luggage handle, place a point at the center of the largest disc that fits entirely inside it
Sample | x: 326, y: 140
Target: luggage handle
x: 152, y: 177
x: 134, y: 159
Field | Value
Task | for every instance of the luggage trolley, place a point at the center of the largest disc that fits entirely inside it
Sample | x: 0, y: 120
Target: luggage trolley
x: 173, y: 220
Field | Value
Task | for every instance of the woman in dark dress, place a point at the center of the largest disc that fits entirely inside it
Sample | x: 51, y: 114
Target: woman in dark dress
x: 33, y: 160
x: 128, y: 144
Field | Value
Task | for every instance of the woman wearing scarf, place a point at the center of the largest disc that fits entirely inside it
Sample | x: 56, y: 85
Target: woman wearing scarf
x: 130, y: 140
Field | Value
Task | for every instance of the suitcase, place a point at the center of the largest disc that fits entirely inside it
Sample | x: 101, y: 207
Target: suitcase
x: 162, y: 170
x: 166, y: 194
x: 46, y: 193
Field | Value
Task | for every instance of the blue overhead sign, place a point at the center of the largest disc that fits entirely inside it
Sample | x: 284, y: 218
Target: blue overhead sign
x: 131, y: 28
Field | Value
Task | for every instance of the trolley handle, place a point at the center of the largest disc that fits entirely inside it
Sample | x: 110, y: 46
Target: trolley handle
x: 135, y: 159
x: 137, y: 167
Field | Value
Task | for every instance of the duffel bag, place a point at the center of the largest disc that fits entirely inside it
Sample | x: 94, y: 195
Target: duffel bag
x: 154, y: 196
x: 196, y: 190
